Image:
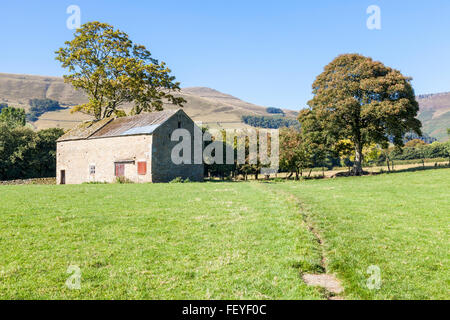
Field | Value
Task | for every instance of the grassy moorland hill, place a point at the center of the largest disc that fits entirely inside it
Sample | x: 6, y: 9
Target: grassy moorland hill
x: 435, y: 114
x: 203, y: 104
x: 235, y: 240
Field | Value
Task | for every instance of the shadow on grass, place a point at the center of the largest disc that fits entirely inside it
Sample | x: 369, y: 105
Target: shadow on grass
x: 264, y: 180
x: 414, y: 169
x: 320, y: 177
x: 227, y: 180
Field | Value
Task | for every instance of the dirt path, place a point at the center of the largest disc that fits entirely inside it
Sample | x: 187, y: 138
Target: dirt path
x: 325, y: 280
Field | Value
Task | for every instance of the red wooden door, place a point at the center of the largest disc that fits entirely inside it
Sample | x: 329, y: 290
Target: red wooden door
x: 120, y: 170
x: 142, y: 168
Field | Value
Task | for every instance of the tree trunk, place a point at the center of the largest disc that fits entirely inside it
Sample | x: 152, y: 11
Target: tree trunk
x: 296, y: 175
x: 357, y: 166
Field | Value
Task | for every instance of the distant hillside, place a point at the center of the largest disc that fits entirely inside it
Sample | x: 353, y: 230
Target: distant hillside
x: 203, y: 104
x: 435, y: 114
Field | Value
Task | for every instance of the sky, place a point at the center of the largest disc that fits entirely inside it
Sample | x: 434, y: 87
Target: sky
x: 264, y: 52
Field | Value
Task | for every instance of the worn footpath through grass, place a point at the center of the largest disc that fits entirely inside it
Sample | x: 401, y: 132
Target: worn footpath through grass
x: 154, y: 241
x: 386, y: 236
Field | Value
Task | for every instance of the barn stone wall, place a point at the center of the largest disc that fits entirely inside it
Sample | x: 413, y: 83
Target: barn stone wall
x: 76, y: 157
x: 163, y: 168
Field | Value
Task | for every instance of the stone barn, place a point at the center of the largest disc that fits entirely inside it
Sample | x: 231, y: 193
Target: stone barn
x: 137, y: 148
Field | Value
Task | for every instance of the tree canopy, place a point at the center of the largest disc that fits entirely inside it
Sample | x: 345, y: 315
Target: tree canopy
x: 294, y: 155
x: 25, y: 153
x: 274, y: 110
x: 271, y: 122
x: 13, y: 117
x: 112, y: 70
x: 362, y: 100
x: 3, y: 105
x: 40, y: 106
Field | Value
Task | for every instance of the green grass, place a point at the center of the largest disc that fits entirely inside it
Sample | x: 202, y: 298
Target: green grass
x: 227, y: 240
x: 160, y: 241
x: 398, y: 222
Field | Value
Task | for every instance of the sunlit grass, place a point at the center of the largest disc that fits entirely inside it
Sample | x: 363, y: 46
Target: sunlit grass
x: 160, y: 241
x: 398, y: 222
x: 227, y: 240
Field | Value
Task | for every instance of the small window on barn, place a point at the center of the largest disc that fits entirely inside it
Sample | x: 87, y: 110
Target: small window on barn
x: 92, y: 169
x: 142, y: 168
x: 179, y: 124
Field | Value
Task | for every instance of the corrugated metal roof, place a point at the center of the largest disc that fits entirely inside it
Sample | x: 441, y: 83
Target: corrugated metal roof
x: 145, y: 123
x: 140, y: 130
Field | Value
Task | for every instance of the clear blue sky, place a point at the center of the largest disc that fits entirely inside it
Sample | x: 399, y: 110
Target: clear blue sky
x: 265, y: 52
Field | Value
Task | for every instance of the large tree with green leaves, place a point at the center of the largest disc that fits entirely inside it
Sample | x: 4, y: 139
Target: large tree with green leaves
x: 25, y: 153
x: 362, y: 100
x: 112, y: 70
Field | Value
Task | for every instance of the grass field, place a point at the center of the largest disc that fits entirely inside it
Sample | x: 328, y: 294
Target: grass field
x: 244, y: 240
x: 161, y: 241
x: 397, y: 222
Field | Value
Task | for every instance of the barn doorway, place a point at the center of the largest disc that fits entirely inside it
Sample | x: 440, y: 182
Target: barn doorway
x: 63, y: 177
x: 119, y: 169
